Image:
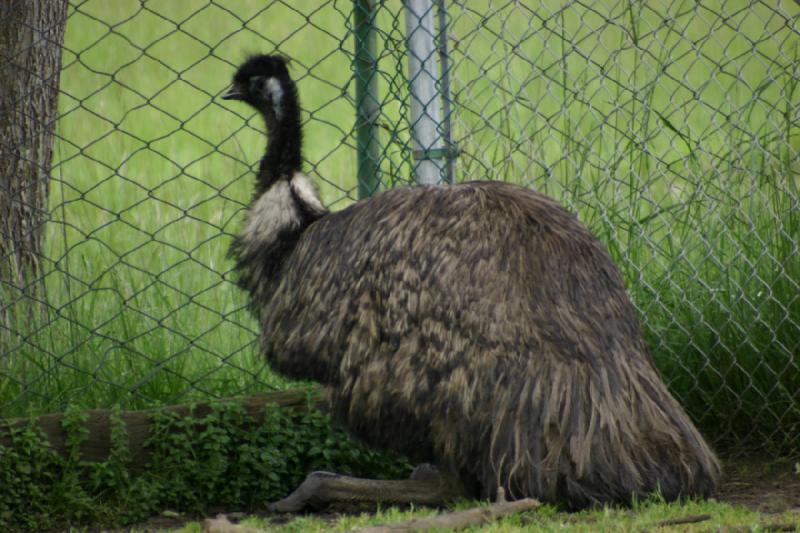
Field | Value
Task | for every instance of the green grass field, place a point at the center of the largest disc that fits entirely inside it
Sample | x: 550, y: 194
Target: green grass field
x: 647, y: 516
x: 673, y: 133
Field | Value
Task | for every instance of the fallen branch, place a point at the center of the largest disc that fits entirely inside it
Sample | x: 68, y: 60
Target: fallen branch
x: 684, y: 520
x: 457, y: 519
x: 138, y: 423
x: 221, y: 524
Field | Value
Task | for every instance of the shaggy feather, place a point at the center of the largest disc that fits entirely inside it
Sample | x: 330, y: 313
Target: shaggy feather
x: 479, y: 326
x: 482, y: 326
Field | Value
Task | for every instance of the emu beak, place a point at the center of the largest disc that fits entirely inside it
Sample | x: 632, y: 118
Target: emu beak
x: 233, y: 94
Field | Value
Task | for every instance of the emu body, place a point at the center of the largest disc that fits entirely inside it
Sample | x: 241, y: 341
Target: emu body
x: 480, y: 326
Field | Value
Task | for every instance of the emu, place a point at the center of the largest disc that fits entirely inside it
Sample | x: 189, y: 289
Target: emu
x: 479, y: 327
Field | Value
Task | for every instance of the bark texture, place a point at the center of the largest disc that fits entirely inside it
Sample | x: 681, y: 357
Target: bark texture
x: 31, y: 36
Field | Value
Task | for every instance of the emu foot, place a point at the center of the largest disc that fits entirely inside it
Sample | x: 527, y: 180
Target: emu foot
x: 426, y: 486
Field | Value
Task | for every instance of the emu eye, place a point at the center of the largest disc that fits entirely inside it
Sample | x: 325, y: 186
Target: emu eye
x: 257, y: 85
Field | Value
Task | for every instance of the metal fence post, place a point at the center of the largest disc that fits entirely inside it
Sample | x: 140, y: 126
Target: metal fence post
x: 423, y: 70
x: 365, y: 65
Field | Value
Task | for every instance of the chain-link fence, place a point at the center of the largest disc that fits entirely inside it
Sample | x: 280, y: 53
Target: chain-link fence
x: 672, y: 128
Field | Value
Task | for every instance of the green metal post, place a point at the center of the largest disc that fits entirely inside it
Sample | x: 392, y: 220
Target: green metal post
x: 367, y: 108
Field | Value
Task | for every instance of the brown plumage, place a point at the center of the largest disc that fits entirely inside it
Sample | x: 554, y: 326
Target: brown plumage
x: 479, y: 326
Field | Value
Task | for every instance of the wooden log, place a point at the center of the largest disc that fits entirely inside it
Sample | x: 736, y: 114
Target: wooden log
x: 138, y: 423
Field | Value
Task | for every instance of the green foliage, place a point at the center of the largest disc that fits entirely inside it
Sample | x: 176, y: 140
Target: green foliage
x: 225, y: 459
x: 29, y: 472
x: 222, y: 459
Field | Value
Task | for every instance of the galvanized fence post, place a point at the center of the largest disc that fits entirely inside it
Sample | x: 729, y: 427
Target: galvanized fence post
x: 430, y: 150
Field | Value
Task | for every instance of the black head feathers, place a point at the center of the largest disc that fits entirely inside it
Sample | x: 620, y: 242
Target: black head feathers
x: 263, y: 65
x: 263, y: 81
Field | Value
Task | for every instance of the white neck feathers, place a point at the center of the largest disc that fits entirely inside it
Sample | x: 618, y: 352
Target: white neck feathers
x: 281, y: 210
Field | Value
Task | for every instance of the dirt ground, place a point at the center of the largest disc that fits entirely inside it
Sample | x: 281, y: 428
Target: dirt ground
x: 766, y: 486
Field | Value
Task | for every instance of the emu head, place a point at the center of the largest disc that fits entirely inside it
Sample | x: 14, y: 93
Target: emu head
x: 263, y: 82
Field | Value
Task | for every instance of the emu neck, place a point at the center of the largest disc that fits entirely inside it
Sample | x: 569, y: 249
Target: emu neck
x: 283, y: 156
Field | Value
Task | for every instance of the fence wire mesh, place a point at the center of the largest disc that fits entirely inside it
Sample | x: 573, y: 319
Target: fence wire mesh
x: 672, y: 128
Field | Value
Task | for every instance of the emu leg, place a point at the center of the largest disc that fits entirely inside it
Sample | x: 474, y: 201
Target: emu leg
x: 426, y: 486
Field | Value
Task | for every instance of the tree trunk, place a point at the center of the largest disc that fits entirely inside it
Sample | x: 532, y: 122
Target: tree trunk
x: 31, y: 36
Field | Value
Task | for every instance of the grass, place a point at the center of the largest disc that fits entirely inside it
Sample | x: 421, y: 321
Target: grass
x: 671, y: 130
x: 643, y: 517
